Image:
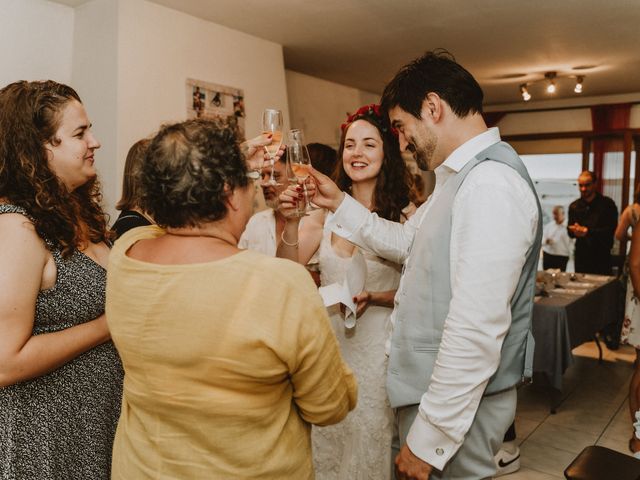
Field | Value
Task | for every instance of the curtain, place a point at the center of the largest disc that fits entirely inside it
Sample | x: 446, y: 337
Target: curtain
x: 608, y: 152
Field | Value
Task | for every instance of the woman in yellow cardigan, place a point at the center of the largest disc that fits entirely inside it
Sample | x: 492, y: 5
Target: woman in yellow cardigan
x: 228, y: 354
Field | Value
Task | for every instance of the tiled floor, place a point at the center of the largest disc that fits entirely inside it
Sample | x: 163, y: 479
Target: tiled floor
x: 593, y: 411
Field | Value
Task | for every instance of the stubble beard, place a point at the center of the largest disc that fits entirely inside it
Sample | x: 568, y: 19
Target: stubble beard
x: 273, y: 203
x: 424, y: 153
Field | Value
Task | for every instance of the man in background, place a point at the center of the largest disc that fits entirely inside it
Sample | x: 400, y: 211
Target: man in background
x: 556, y: 244
x: 592, y: 221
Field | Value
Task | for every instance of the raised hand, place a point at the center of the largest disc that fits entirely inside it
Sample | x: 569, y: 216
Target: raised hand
x: 255, y: 152
x: 326, y: 193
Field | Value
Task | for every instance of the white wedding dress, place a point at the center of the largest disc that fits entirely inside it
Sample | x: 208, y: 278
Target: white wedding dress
x: 359, y: 446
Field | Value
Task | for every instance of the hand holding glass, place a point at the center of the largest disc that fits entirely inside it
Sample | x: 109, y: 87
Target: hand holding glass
x: 298, y: 164
x: 272, y: 125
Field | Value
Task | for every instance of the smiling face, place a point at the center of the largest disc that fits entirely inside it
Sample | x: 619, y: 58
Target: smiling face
x: 71, y: 152
x: 416, y: 137
x: 363, y: 151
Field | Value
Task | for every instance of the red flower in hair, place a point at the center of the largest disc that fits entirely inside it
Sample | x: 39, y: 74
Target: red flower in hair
x: 372, y: 110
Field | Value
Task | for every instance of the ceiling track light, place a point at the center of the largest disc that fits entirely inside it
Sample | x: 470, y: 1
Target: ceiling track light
x: 551, y: 87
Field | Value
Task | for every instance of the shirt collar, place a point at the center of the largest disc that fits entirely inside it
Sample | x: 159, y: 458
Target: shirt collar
x: 469, y: 149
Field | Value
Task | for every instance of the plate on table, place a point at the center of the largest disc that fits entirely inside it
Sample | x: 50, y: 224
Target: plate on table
x: 595, y: 278
x: 570, y: 291
x: 580, y: 285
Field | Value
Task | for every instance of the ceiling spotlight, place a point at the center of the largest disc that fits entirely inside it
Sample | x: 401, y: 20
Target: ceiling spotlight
x: 551, y: 87
x: 549, y: 82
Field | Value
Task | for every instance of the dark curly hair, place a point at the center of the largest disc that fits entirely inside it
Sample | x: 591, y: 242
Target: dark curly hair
x: 437, y: 72
x: 393, y: 184
x: 30, y: 114
x: 186, y: 169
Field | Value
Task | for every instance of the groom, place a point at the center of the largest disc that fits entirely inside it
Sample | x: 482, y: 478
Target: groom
x: 461, y: 340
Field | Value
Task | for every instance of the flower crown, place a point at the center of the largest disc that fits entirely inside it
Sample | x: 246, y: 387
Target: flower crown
x: 371, y: 112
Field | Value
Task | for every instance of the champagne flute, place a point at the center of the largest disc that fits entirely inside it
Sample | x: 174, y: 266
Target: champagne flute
x: 272, y: 124
x: 299, y: 162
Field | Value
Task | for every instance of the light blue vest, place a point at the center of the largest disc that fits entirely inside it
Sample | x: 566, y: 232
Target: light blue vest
x: 423, y: 303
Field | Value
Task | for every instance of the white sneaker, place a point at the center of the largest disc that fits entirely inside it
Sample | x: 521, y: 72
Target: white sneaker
x: 507, y: 462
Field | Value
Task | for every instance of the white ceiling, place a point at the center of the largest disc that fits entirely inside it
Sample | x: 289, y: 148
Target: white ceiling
x: 503, y: 43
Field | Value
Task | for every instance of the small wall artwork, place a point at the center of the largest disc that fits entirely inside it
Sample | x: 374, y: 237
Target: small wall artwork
x: 209, y: 100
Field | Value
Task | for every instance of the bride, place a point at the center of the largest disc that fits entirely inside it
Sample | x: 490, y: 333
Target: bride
x: 374, y: 173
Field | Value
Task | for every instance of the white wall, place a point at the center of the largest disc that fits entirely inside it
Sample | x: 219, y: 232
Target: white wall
x: 319, y: 107
x: 160, y: 48
x: 36, y: 40
x: 95, y: 67
x: 572, y: 120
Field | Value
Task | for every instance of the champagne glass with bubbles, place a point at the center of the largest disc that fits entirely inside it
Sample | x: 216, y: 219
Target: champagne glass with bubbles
x: 272, y: 124
x: 299, y: 162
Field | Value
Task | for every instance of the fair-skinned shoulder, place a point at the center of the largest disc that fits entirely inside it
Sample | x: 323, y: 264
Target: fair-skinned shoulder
x: 310, y: 235
x: 27, y: 267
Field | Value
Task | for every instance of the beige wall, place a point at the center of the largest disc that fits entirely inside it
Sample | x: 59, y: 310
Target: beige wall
x: 552, y: 121
x: 319, y: 107
x: 129, y: 60
x: 159, y: 48
x: 546, y: 121
x: 95, y: 67
x: 36, y: 40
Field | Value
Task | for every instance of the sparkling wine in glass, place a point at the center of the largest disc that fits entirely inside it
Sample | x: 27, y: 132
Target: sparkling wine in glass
x: 272, y: 124
x: 299, y: 162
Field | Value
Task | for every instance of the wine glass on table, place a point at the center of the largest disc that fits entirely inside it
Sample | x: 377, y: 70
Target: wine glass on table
x: 298, y: 165
x: 272, y: 125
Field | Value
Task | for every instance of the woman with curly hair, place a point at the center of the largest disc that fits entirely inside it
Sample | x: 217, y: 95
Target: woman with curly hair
x: 60, y: 376
x: 372, y: 170
x: 228, y: 353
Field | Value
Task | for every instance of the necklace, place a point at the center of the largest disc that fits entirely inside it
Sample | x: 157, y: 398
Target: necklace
x: 215, y: 233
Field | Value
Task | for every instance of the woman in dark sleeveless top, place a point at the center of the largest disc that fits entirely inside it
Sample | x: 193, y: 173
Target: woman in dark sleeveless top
x: 60, y: 376
x: 131, y: 213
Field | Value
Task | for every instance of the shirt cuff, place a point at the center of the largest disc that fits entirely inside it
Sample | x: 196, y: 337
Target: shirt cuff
x: 348, y: 218
x: 430, y: 444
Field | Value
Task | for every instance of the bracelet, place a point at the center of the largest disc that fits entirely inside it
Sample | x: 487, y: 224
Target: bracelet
x: 287, y: 243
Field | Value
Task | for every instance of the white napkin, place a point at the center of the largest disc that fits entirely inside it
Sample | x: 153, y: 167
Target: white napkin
x: 345, y: 291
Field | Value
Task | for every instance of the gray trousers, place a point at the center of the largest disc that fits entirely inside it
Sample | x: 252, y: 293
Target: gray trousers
x: 474, y: 459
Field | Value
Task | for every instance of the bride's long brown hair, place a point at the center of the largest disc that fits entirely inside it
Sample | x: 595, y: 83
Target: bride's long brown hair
x: 29, y: 118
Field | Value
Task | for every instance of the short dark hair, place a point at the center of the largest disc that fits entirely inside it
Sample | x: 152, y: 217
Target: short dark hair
x: 593, y: 175
x: 438, y: 72
x: 189, y: 169
x: 323, y: 157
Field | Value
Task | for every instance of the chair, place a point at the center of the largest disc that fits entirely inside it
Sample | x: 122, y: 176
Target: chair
x: 600, y: 463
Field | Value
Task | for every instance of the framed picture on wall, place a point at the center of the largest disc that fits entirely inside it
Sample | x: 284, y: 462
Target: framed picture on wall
x: 210, y: 100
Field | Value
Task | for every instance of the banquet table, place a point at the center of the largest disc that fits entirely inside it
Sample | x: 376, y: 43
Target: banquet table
x: 568, y: 316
